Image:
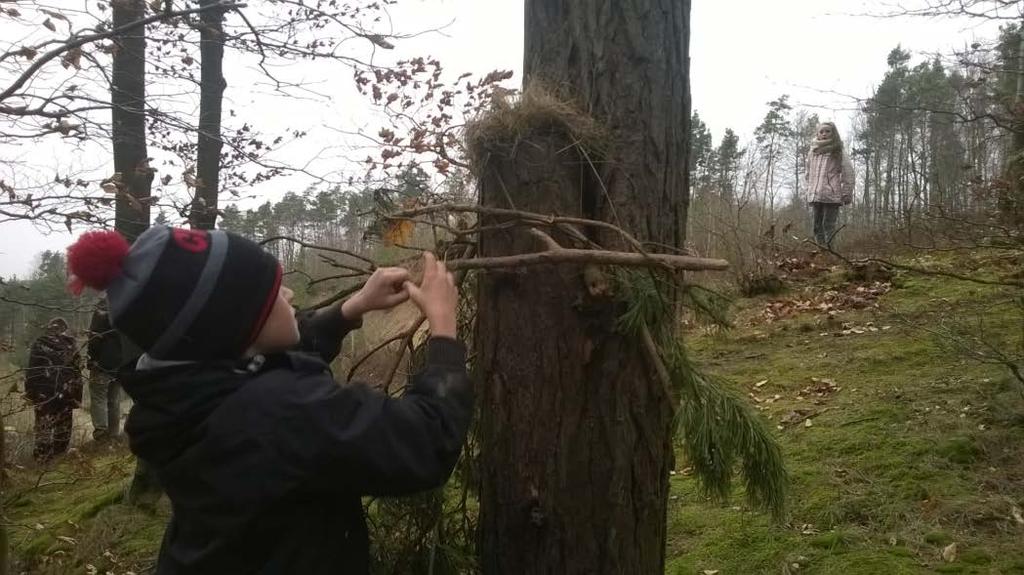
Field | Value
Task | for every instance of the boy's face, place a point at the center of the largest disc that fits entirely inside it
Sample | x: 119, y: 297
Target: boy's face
x: 281, y: 331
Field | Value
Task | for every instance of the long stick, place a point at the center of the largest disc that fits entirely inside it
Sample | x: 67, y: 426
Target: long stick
x: 571, y: 255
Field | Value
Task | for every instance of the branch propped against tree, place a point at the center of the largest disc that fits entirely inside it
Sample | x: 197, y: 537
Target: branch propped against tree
x: 556, y: 254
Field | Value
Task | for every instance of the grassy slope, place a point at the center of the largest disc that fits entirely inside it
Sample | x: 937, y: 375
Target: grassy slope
x: 72, y: 516
x: 919, y: 449
x: 896, y: 468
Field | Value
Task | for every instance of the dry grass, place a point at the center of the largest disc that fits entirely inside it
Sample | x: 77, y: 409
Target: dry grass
x: 535, y: 109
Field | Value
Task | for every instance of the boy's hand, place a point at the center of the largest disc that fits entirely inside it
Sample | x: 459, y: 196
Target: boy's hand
x: 437, y: 297
x: 382, y: 291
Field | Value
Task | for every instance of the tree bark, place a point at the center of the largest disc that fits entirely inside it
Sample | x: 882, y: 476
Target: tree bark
x: 132, y: 210
x: 575, y: 426
x: 1011, y: 204
x: 4, y: 539
x: 212, y: 85
x: 128, y: 115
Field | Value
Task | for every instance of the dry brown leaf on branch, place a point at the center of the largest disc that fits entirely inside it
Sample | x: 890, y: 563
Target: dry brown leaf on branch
x: 72, y: 59
x: 380, y: 41
x: 54, y: 14
x: 398, y: 232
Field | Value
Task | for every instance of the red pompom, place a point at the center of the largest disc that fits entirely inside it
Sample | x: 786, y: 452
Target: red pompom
x: 96, y: 259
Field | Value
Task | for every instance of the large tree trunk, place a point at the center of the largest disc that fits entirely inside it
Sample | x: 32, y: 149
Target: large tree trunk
x: 128, y: 95
x: 1011, y: 204
x: 575, y: 428
x: 212, y: 84
x: 4, y: 539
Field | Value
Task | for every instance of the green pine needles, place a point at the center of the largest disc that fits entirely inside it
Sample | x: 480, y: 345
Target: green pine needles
x: 720, y: 433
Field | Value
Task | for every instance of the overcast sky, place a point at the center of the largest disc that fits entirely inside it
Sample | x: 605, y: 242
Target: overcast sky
x: 744, y: 53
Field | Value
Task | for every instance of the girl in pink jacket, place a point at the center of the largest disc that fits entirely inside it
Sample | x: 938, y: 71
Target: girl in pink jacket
x: 830, y: 179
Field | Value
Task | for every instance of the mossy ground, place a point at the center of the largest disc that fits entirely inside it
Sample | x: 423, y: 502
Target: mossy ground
x: 920, y: 448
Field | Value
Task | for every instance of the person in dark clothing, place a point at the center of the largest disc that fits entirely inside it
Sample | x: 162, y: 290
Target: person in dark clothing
x: 53, y: 385
x: 104, y: 362
x: 263, y: 455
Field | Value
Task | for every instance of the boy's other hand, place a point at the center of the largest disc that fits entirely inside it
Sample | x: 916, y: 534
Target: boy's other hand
x: 436, y: 296
x: 383, y: 290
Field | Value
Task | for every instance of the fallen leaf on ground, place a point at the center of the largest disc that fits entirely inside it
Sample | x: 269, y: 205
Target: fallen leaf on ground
x: 794, y: 417
x: 949, y: 553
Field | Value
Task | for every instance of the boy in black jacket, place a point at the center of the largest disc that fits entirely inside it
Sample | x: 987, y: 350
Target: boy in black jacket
x: 263, y: 456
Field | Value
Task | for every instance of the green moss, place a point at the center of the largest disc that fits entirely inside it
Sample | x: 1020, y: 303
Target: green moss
x: 901, y: 551
x: 889, y: 453
x: 976, y: 557
x: 831, y: 541
x: 74, y: 516
x: 938, y: 538
x: 962, y: 450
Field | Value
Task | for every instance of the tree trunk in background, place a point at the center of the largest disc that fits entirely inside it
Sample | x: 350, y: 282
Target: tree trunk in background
x: 4, y: 539
x: 128, y: 97
x: 131, y: 217
x: 212, y: 84
x: 1012, y: 203
x: 575, y: 428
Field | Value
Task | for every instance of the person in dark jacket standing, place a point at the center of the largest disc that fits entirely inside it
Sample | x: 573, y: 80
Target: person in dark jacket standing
x: 104, y: 361
x: 53, y: 385
x: 263, y: 455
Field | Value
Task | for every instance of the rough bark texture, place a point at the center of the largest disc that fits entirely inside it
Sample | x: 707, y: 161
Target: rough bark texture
x: 131, y: 216
x: 627, y: 64
x: 575, y: 427
x: 212, y: 84
x: 4, y: 539
x: 128, y: 96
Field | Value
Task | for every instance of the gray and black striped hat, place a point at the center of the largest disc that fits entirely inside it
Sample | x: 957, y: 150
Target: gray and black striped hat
x: 182, y: 294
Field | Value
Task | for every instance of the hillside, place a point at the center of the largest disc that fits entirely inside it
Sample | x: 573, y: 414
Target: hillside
x: 906, y: 456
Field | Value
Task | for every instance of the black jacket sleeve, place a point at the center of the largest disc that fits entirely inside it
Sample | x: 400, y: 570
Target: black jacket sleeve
x: 322, y: 331
x: 38, y: 385
x: 354, y: 439
x: 99, y: 325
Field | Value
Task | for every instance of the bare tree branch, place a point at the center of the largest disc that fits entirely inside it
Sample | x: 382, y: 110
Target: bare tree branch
x: 83, y: 40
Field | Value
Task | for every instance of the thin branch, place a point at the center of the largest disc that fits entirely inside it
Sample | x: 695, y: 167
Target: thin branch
x: 548, y: 240
x: 400, y: 336
x: 534, y: 218
x: 919, y: 270
x: 654, y: 358
x: 603, y: 257
x: 407, y: 344
x: 337, y: 297
x: 305, y: 244
x: 82, y: 41
x: 352, y: 274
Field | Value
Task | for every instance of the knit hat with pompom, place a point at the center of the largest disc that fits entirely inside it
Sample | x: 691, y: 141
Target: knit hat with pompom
x: 180, y: 294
